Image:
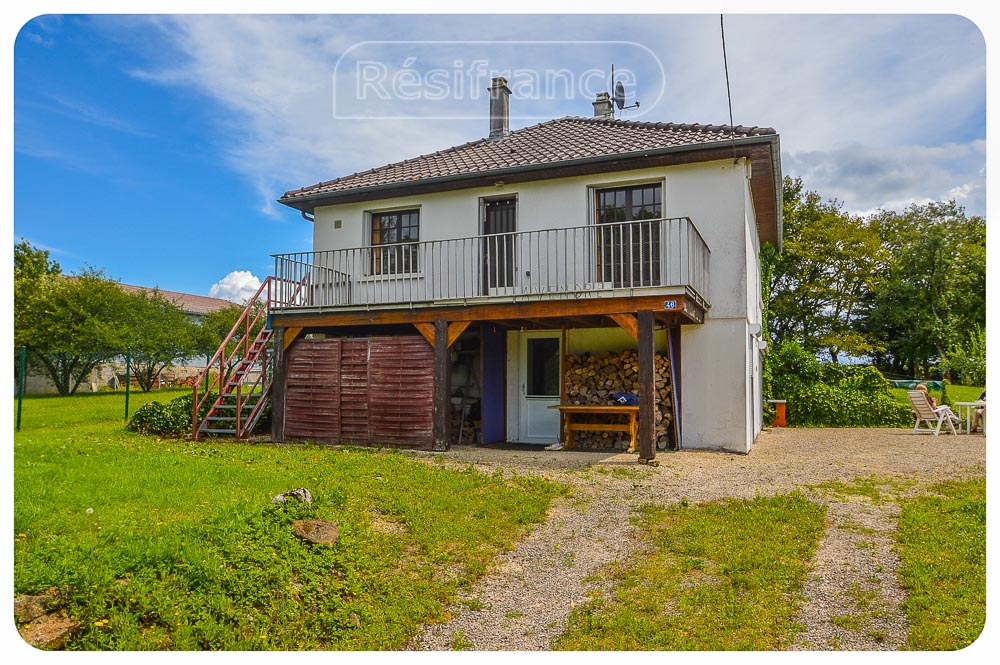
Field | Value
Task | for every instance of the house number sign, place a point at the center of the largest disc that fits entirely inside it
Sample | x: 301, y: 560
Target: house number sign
x: 669, y: 304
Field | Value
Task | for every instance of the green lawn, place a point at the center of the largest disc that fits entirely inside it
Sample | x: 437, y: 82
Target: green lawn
x: 166, y: 544
x: 942, y: 540
x: 721, y: 576
x: 46, y: 411
x: 956, y: 393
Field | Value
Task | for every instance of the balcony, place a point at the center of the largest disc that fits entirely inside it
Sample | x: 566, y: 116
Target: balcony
x: 647, y: 257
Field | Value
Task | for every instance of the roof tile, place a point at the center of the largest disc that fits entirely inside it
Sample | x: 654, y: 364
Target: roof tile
x: 551, y: 142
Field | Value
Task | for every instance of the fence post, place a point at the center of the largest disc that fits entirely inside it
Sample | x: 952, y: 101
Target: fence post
x: 128, y: 377
x: 20, y: 386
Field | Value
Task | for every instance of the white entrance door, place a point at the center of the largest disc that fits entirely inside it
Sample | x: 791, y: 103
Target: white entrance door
x: 539, y: 374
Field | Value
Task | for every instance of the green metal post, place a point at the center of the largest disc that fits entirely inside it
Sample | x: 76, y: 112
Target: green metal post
x: 128, y: 378
x: 20, y: 387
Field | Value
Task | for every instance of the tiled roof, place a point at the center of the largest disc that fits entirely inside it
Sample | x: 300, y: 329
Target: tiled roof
x: 189, y: 303
x: 549, y: 143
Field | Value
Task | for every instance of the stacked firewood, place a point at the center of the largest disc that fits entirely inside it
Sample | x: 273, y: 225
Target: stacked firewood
x: 468, y: 432
x: 592, y: 379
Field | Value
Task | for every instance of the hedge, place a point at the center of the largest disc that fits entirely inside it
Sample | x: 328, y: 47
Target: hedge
x: 833, y: 395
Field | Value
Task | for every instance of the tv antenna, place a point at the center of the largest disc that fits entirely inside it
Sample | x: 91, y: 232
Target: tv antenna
x: 618, y: 94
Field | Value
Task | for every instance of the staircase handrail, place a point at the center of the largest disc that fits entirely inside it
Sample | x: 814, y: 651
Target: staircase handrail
x: 220, y: 354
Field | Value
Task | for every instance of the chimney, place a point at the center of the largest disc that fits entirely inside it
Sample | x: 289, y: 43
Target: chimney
x: 603, y: 107
x: 499, y: 109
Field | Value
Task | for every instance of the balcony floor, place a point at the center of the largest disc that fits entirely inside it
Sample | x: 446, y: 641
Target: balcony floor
x: 671, y: 306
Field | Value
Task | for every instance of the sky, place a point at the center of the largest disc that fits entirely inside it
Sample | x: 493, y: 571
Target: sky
x: 155, y: 147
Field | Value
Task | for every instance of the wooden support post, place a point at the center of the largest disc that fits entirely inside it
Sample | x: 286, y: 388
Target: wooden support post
x: 278, y: 381
x: 442, y: 386
x: 647, y: 387
x: 673, y: 344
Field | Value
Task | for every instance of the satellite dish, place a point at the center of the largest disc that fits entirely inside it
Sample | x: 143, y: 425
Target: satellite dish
x: 619, y: 95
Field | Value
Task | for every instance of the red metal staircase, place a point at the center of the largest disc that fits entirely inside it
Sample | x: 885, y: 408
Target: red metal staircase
x: 242, y: 370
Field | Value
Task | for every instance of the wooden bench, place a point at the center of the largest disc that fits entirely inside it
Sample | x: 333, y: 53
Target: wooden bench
x: 569, y: 412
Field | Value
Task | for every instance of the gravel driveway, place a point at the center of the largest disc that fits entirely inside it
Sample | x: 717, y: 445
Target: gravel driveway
x: 525, y: 601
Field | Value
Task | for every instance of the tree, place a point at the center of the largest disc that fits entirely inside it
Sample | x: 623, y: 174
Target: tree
x: 819, y: 282
x: 215, y: 327
x: 965, y: 360
x: 71, y: 324
x: 32, y: 263
x: 157, y: 332
x: 932, y: 291
x: 32, y: 267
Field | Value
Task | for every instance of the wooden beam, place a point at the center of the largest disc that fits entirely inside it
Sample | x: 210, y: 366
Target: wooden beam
x: 290, y: 336
x: 455, y: 329
x: 442, y: 387
x: 628, y: 323
x: 427, y: 330
x: 536, y: 309
x: 647, y: 386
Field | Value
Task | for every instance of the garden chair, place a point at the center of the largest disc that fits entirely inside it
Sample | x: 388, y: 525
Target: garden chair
x: 925, y: 413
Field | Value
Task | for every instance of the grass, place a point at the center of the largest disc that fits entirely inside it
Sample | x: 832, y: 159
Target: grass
x: 721, y: 576
x: 166, y: 544
x: 46, y: 411
x: 870, y: 487
x: 869, y: 607
x: 942, y: 541
x: 956, y: 393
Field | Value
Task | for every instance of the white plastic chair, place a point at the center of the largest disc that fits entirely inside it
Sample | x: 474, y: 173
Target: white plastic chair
x: 925, y: 413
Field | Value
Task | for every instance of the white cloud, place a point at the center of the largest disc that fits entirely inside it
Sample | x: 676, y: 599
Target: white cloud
x: 866, y: 178
x: 238, y: 287
x: 871, y: 109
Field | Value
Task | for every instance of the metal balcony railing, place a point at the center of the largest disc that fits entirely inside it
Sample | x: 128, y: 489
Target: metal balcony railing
x: 597, y: 259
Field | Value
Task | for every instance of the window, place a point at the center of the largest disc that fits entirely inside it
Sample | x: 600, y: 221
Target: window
x: 394, y: 242
x: 543, y: 367
x: 629, y: 248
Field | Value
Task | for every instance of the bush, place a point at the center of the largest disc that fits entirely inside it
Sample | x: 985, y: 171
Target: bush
x: 945, y: 398
x: 832, y: 395
x: 170, y: 419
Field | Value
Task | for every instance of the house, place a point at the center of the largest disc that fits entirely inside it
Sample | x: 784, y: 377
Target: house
x: 193, y: 305
x: 476, y: 277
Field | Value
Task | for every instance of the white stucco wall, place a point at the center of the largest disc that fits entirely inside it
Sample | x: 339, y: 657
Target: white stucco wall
x: 719, y: 361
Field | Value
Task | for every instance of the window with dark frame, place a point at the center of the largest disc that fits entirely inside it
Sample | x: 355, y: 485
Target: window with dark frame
x: 394, y: 237
x: 629, y: 249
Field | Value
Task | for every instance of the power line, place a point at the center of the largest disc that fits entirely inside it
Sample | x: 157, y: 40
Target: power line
x: 729, y: 96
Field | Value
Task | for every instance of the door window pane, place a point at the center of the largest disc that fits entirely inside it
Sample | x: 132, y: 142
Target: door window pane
x: 543, y: 367
x: 629, y: 253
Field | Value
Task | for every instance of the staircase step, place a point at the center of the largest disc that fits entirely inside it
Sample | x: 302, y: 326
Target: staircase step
x: 206, y: 430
